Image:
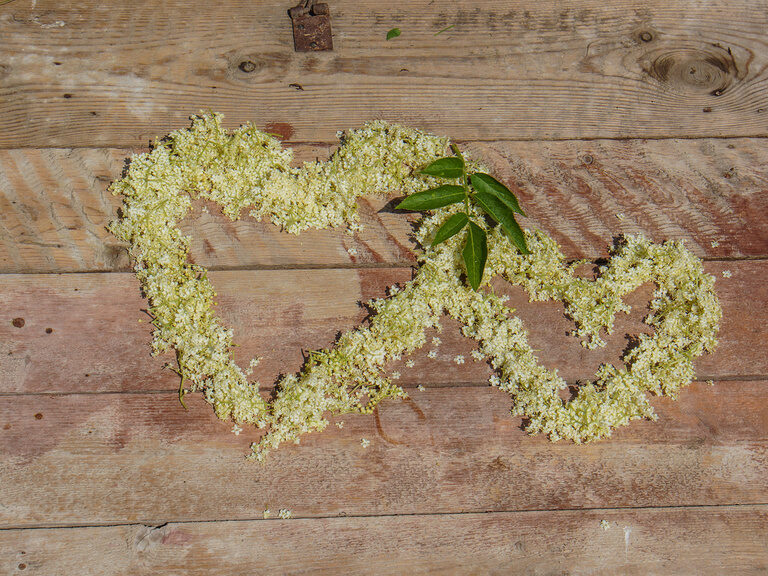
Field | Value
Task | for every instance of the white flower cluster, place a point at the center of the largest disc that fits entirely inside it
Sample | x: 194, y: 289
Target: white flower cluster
x: 249, y: 169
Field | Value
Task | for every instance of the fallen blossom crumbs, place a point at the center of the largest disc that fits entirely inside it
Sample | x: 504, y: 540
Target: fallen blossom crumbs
x: 249, y: 169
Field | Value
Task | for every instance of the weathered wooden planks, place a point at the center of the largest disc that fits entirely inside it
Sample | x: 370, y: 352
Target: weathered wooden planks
x: 117, y: 458
x: 548, y: 70
x: 706, y: 541
x: 54, y: 208
x: 97, y: 343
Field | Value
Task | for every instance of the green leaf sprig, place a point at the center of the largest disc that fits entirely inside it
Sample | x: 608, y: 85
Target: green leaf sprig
x: 478, y: 189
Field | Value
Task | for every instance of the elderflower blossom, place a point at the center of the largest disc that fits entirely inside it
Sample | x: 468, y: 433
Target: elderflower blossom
x: 409, y: 363
x: 727, y: 274
x: 284, y: 513
x: 477, y: 356
x: 249, y: 170
x: 267, y: 513
x: 420, y: 388
x: 459, y: 359
x: 364, y: 442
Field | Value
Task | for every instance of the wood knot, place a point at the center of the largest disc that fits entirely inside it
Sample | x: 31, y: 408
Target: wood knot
x: 247, y: 66
x: 646, y: 36
x: 702, y: 71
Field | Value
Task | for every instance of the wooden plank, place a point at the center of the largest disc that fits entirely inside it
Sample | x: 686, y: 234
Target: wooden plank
x: 121, y: 458
x: 85, y: 74
x: 54, y: 206
x: 702, y: 541
x: 99, y: 338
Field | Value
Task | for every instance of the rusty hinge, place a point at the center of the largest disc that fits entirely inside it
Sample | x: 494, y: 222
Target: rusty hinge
x: 311, y: 26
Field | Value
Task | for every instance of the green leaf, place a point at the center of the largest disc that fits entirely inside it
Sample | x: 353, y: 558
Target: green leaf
x: 452, y: 226
x: 487, y: 183
x: 394, y: 33
x: 450, y: 167
x: 433, y: 198
x: 475, y: 253
x: 500, y: 212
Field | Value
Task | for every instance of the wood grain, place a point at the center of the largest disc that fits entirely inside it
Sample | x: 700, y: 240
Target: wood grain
x: 549, y: 70
x: 702, y: 541
x: 54, y: 206
x: 118, y: 458
x: 87, y: 332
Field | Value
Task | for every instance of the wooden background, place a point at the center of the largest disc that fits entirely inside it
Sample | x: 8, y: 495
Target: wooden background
x: 627, y: 117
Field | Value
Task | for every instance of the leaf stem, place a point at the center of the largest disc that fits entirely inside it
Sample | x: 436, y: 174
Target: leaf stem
x: 464, y: 183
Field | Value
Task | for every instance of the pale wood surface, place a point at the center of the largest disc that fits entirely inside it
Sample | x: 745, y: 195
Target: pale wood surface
x: 638, y: 542
x: 87, y: 73
x: 627, y: 117
x: 54, y: 206
x: 138, y: 457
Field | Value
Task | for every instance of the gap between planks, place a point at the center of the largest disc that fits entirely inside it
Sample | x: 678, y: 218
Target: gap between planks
x: 339, y: 266
x: 155, y: 524
x: 129, y: 150
x: 700, y: 379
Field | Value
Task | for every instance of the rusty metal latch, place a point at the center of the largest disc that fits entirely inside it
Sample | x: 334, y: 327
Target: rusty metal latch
x: 311, y: 26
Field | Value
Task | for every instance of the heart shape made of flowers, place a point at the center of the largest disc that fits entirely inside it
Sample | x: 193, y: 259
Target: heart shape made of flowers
x: 249, y: 168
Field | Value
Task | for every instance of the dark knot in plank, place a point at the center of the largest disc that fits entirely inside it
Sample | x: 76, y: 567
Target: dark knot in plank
x: 709, y: 70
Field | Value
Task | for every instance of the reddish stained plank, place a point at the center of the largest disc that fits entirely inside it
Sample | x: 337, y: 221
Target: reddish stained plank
x: 98, y: 343
x: 54, y: 208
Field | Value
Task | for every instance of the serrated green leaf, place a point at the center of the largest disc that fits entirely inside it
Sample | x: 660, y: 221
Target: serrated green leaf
x: 500, y: 212
x: 475, y: 254
x: 452, y: 226
x: 487, y: 183
x: 433, y: 198
x: 394, y: 33
x: 450, y: 167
